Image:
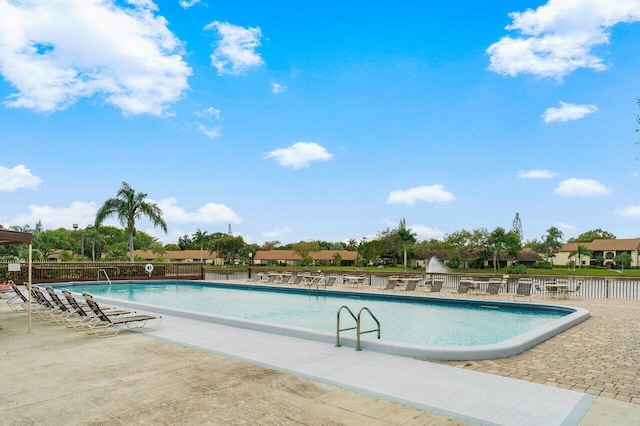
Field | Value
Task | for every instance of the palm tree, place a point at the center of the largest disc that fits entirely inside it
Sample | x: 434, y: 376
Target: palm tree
x: 201, y: 237
x: 128, y: 206
x: 581, y: 250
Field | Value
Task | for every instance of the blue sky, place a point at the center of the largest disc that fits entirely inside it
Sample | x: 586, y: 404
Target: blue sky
x: 323, y: 120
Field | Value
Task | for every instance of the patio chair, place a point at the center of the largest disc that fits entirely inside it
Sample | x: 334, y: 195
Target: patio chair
x: 19, y: 300
x: 463, y: 287
x: 297, y: 279
x: 45, y: 309
x: 412, y: 283
x: 107, y: 325
x: 330, y: 281
x: 493, y: 288
x: 436, y: 286
x: 392, y: 282
x: 524, y: 289
x: 575, y: 290
x: 85, y: 314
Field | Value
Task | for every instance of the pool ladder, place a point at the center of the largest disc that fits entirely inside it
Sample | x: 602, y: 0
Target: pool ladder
x: 105, y: 274
x: 357, y: 327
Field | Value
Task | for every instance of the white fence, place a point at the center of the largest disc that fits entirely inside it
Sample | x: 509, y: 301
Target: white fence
x: 592, y: 287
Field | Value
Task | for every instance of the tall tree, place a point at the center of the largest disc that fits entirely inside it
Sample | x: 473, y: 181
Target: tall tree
x: 594, y: 234
x: 501, y: 242
x: 227, y: 246
x: 516, y: 226
x: 129, y: 206
x: 580, y: 251
x: 405, y: 237
x: 552, y: 241
x: 303, y: 248
x: 202, y: 239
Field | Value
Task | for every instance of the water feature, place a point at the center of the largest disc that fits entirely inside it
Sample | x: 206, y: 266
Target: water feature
x: 436, y: 266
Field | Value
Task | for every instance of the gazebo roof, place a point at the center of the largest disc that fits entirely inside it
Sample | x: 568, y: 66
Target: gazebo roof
x: 15, y: 237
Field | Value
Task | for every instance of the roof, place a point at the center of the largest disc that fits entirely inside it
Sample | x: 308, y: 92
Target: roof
x: 177, y: 255
x: 15, y: 237
x: 315, y: 255
x: 622, y: 244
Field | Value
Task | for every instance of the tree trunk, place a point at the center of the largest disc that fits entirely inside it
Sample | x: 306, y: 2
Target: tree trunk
x: 131, y: 247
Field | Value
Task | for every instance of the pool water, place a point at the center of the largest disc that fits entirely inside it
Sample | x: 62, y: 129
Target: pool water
x: 413, y: 320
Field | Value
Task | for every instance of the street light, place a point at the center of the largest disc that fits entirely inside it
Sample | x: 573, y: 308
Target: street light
x: 75, y: 227
x: 250, y: 260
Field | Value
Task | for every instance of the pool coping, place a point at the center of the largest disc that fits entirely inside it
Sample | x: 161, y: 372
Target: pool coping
x: 507, y: 348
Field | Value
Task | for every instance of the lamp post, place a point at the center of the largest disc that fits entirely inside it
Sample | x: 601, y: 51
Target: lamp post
x: 75, y: 227
x: 250, y: 260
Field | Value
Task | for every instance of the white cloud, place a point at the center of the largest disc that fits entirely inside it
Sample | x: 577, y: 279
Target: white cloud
x: 235, y: 53
x: 429, y: 194
x: 212, y: 133
x: 566, y: 226
x: 567, y: 112
x: 581, y: 188
x: 209, y: 112
x: 17, y: 178
x: 186, y: 4
x: 630, y: 211
x: 56, y: 52
x: 426, y: 232
x: 277, y: 88
x: 558, y: 37
x: 275, y: 233
x: 209, y: 213
x: 300, y: 154
x: 79, y: 212
x: 536, y: 174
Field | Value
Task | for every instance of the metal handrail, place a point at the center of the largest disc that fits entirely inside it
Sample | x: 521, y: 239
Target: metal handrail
x: 359, y: 332
x: 105, y: 274
x: 357, y: 327
x: 338, y: 329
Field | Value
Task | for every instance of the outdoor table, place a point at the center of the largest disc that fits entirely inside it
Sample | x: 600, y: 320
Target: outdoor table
x: 557, y: 288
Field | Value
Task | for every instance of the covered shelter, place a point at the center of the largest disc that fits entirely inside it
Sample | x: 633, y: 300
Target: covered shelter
x: 15, y: 237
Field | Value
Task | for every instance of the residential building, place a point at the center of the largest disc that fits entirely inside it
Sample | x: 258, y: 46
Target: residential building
x: 182, y: 256
x: 291, y: 258
x: 603, y: 252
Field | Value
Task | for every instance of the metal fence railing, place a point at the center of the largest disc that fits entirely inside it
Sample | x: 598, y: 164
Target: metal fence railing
x: 88, y: 271
x: 591, y: 287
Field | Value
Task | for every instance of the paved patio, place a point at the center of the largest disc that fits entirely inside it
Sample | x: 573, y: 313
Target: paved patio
x: 57, y: 376
x: 600, y: 356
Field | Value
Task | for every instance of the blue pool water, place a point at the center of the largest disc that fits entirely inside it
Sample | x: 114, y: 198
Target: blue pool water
x: 411, y: 320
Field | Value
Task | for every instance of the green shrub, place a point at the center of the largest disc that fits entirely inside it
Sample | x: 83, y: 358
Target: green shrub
x: 543, y: 264
x: 454, y: 262
x: 516, y: 270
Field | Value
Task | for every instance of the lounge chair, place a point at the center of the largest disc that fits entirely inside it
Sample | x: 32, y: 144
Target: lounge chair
x: 19, y: 300
x: 330, y: 281
x: 85, y: 314
x: 316, y: 280
x: 463, y: 287
x: 412, y: 283
x: 524, y: 289
x: 493, y: 288
x: 392, y: 282
x: 436, y: 286
x: 297, y: 279
x: 103, y: 327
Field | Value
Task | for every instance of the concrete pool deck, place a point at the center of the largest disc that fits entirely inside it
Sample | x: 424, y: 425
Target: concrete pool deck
x: 222, y: 375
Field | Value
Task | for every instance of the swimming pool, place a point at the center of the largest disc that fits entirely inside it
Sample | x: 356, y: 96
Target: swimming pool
x: 417, y: 326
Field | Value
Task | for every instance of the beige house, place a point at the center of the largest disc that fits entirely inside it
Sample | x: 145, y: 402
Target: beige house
x: 605, y: 250
x: 183, y: 256
x: 291, y: 258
